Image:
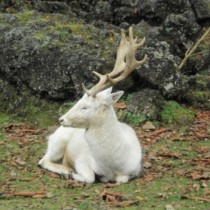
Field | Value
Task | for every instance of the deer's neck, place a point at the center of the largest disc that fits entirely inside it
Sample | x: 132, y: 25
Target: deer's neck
x: 107, y: 130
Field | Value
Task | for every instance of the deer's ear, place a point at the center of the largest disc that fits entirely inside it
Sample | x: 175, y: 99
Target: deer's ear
x: 113, y: 97
x: 105, y: 92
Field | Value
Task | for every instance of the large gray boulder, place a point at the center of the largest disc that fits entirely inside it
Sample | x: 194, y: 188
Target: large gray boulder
x: 51, y: 50
x: 53, y: 63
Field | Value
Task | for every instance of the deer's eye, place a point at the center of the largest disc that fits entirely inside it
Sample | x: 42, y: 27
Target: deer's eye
x: 84, y: 108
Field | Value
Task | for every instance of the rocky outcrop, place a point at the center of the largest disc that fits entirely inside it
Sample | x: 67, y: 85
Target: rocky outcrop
x: 202, y: 10
x: 51, y: 47
x: 52, y: 57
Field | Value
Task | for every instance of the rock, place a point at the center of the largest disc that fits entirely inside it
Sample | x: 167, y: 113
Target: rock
x: 169, y: 207
x: 147, y: 165
x: 148, y: 126
x: 179, y: 27
x: 147, y: 102
x: 161, y: 70
x: 156, y: 11
x: 53, y: 6
x: 54, y: 63
x: 202, y: 10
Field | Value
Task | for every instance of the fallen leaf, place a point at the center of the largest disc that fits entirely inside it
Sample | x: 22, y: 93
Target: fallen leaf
x: 169, y: 154
x: 74, y: 184
x: 149, y: 177
x: 147, y: 165
x: 110, y: 185
x: 196, y: 198
x: 120, y: 105
x: 116, y: 199
x: 25, y: 194
x: 197, y: 175
x: 20, y: 162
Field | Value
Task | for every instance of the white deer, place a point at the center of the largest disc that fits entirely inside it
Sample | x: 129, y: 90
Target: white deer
x: 91, y: 141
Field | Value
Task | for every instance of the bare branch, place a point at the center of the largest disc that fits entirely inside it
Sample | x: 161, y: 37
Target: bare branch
x: 192, y: 50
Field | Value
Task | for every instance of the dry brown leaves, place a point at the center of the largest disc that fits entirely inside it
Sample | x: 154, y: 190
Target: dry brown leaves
x: 74, y: 184
x: 200, y: 129
x: 155, y: 161
x: 21, y: 131
x: 196, y: 187
x: 37, y: 194
x: 116, y: 199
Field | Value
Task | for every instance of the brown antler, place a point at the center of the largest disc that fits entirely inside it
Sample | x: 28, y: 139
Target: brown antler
x: 125, y: 63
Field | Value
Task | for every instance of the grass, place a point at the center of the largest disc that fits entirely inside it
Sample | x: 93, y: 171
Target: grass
x: 166, y: 183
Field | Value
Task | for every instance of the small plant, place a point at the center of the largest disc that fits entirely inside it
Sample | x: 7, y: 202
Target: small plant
x: 131, y: 118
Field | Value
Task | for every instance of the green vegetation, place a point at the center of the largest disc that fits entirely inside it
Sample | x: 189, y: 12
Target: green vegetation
x: 199, y: 95
x: 24, y: 16
x: 172, y: 112
x: 3, y: 118
x: 134, y: 119
x: 56, y: 30
x: 31, y: 110
x: 130, y: 118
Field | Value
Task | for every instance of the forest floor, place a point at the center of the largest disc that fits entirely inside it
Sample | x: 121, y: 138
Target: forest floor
x: 176, y: 172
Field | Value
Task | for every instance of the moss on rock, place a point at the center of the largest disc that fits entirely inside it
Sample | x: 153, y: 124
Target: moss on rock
x: 26, y: 107
x: 174, y: 113
x: 199, y: 94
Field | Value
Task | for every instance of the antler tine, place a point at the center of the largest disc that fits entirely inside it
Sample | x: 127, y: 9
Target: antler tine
x: 118, y: 68
x: 131, y: 62
x: 121, y: 53
x: 99, y: 86
x: 125, y: 64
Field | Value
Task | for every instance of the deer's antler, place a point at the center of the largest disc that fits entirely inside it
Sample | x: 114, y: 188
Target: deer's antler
x: 125, y: 64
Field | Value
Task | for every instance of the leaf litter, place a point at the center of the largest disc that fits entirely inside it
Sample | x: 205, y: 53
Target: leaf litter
x: 158, y: 161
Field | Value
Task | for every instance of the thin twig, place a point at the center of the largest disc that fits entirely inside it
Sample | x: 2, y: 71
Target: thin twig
x: 192, y: 50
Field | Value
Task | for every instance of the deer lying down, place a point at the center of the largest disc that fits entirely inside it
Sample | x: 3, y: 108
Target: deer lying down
x: 91, y: 141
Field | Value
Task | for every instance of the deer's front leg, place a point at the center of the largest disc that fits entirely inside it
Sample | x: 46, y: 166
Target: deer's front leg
x: 56, y: 168
x: 52, y: 160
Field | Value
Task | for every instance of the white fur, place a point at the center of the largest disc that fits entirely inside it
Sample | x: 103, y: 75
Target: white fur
x: 91, y: 141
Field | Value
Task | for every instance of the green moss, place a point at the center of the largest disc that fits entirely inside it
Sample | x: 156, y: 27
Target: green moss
x: 39, y: 112
x: 172, y: 112
x: 57, y: 30
x: 130, y: 118
x: 29, y: 109
x: 24, y: 16
x: 3, y: 118
x: 199, y: 95
x: 199, y: 98
x: 40, y: 35
x: 202, y: 81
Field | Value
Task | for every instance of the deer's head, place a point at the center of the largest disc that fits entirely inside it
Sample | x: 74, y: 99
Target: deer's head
x: 96, y: 104
x: 91, y: 110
